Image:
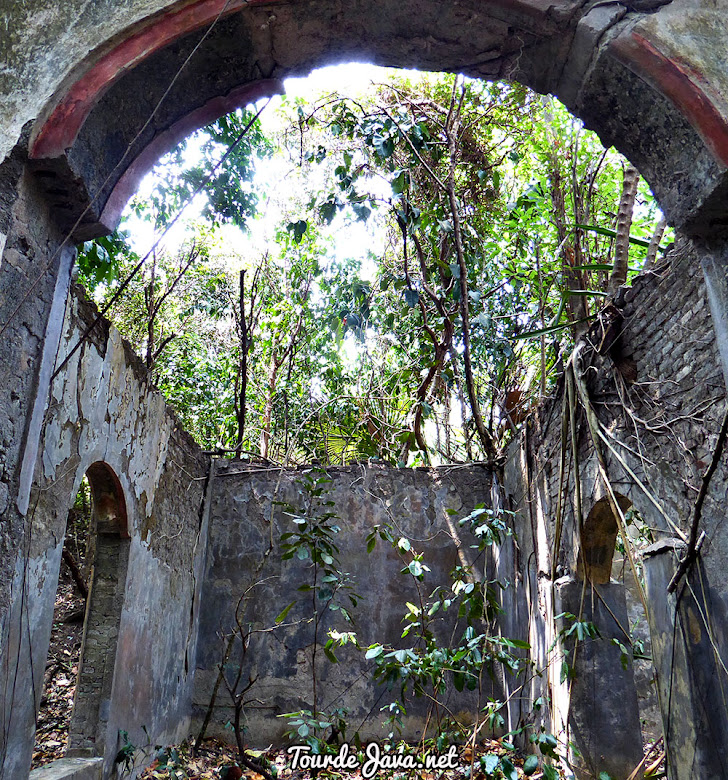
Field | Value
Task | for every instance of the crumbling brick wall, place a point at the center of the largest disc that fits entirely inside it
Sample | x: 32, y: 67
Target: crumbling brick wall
x: 659, y: 395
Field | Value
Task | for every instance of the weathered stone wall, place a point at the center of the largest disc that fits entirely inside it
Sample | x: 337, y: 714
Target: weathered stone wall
x: 660, y: 397
x: 27, y: 326
x: 103, y: 411
x: 244, y: 549
x: 662, y: 421
x: 90, y: 75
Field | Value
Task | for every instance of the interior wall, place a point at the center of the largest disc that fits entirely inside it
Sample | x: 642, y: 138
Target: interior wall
x: 244, y: 551
x: 650, y: 80
x: 103, y: 410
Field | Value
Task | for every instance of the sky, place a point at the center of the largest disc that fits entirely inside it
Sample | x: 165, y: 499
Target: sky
x: 275, y: 176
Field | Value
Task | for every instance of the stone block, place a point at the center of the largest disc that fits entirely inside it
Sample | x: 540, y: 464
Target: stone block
x: 70, y: 769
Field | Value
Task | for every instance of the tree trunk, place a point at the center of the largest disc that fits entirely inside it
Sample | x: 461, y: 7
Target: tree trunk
x: 624, y: 223
x: 484, y: 435
x: 240, y: 405
x: 268, y: 409
x: 654, y: 244
x: 75, y: 573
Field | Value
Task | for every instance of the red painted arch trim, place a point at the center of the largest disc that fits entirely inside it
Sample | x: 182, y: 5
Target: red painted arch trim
x: 58, y: 129
x: 681, y: 84
x: 162, y: 143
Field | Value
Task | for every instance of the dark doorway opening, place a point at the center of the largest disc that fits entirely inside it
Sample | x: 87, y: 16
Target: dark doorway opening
x: 79, y: 679
x: 64, y: 652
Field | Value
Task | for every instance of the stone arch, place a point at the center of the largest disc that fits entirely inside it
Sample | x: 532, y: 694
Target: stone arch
x: 92, y: 702
x: 622, y: 72
x: 598, y: 540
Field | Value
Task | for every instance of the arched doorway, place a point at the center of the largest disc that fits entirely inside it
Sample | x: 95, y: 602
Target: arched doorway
x: 106, y: 552
x: 105, y: 602
x: 61, y: 667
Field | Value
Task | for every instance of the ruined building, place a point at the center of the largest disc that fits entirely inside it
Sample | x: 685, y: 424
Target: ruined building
x: 92, y: 95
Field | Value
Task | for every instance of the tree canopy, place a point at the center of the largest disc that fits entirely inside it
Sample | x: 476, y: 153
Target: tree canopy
x: 409, y: 281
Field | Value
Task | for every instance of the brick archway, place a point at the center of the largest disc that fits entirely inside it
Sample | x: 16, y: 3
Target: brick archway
x: 135, y: 96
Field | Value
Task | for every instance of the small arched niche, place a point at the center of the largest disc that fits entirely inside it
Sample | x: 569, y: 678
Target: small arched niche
x: 598, y: 541
x: 110, y: 556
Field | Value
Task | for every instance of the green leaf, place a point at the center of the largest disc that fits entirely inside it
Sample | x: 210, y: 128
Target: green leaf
x: 362, y: 211
x: 602, y: 231
x: 400, y: 181
x: 565, y: 672
x: 374, y: 652
x: 282, y: 616
x: 415, y: 569
x: 298, y: 229
x: 482, y: 319
x: 551, y: 329
x: 530, y: 765
x: 327, y: 210
x: 509, y: 771
x: 489, y: 763
x: 383, y: 145
x: 598, y: 293
x: 548, y: 744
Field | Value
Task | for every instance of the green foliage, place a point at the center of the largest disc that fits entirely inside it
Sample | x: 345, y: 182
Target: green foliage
x: 346, y: 363
x: 578, y: 631
x: 500, y: 767
x: 546, y: 743
x: 635, y: 651
x: 322, y: 732
x: 98, y: 261
x: 229, y: 197
x: 166, y: 760
x: 126, y: 755
x: 428, y: 665
x: 331, y: 591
